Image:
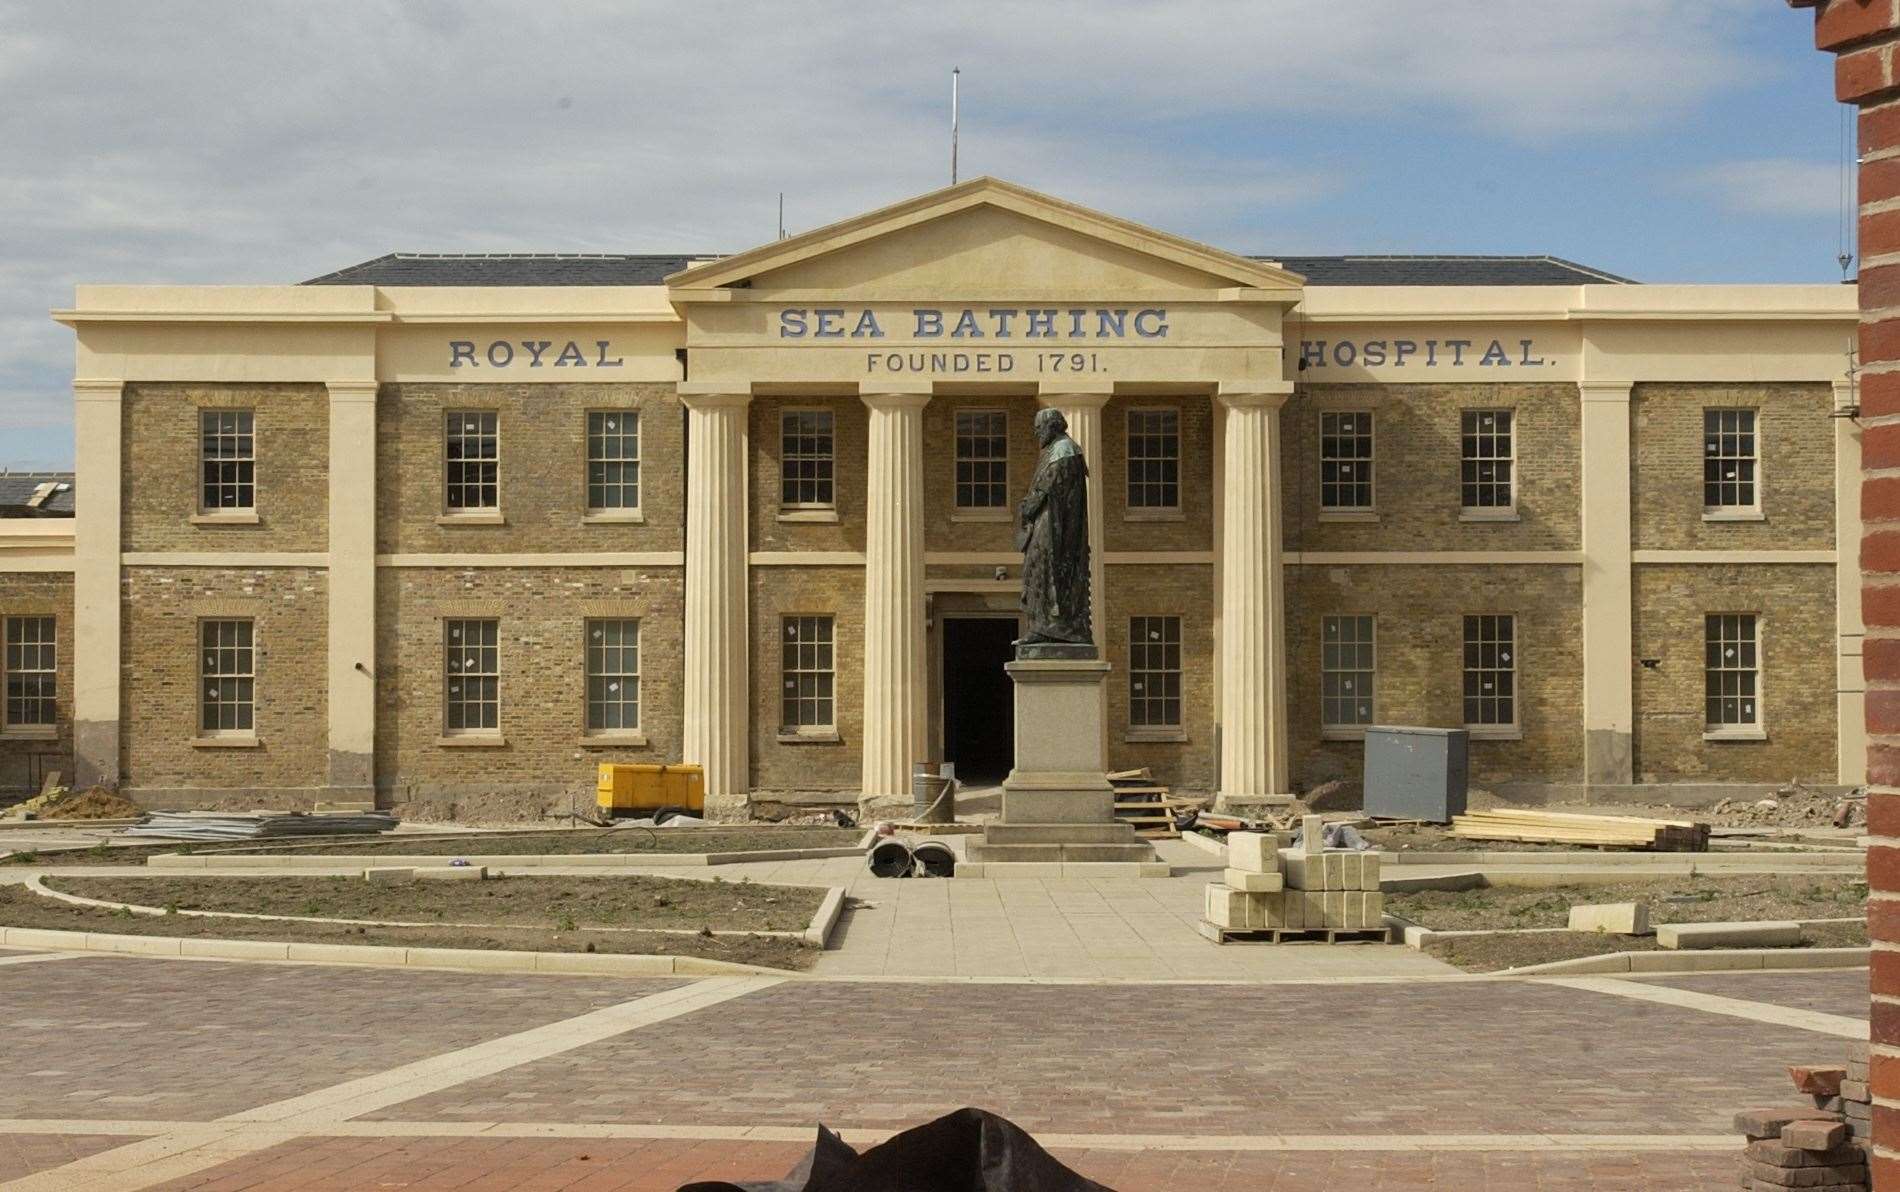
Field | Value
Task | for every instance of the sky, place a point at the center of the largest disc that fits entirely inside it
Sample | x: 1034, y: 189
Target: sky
x: 269, y: 141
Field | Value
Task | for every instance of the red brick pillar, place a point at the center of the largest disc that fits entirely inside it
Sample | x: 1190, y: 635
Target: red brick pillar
x: 1865, y: 34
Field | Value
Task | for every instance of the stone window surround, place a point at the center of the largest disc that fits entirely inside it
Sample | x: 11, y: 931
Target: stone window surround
x: 1152, y: 513
x: 1732, y: 733
x: 1366, y: 513
x: 1490, y: 513
x: 624, y: 515
x: 35, y: 731
x: 974, y: 513
x: 491, y: 516
x: 235, y: 738
x: 1133, y: 733
x: 1348, y: 732
x: 816, y: 734
x: 815, y: 511
x: 1514, y: 731
x: 591, y: 737
x: 476, y: 738
x: 225, y: 515
x: 1741, y: 513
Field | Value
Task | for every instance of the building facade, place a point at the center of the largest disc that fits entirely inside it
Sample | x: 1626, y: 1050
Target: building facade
x: 452, y: 530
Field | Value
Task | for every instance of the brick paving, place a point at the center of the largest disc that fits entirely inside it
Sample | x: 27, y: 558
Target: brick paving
x: 1301, y: 1059
x: 24, y: 1154
x: 617, y: 1165
x: 108, y: 1037
x: 1842, y: 991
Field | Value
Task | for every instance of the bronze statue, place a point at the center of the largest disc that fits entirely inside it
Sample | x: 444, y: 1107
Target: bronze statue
x: 1053, y: 534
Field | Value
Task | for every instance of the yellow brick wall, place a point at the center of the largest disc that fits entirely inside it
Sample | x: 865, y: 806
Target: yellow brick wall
x: 25, y: 756
x: 163, y: 472
x: 807, y: 765
x: 1193, y: 527
x: 1145, y: 590
x: 849, y: 451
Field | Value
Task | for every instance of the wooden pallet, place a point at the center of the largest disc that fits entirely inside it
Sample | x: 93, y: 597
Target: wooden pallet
x: 1276, y: 935
x: 1148, y: 808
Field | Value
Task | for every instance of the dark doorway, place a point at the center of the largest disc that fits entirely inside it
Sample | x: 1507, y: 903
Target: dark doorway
x: 979, y: 726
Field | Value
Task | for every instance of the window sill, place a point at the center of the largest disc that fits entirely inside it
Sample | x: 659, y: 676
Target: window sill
x: 472, y: 741
x: 613, y: 741
x: 1349, y: 515
x: 1153, y: 515
x: 819, y: 516
x: 1735, y: 734
x: 1154, y: 736
x: 614, y: 517
x: 1344, y: 732
x: 1488, y: 515
x: 489, y: 517
x: 232, y: 742
x: 983, y: 515
x: 1494, y: 732
x: 30, y: 732
x: 227, y: 517
x: 1733, y: 515
x: 827, y: 736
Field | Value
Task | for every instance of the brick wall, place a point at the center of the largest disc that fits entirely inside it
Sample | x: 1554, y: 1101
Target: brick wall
x: 162, y: 476
x: 543, y: 468
x: 1795, y: 604
x: 1143, y: 590
x: 159, y: 686
x: 808, y: 765
x: 545, y: 764
x: 27, y: 753
x: 947, y: 529
x: 1193, y: 528
x: 1420, y: 644
x: 850, y: 451
x: 1417, y: 451
x: 1795, y: 446
x: 1866, y: 35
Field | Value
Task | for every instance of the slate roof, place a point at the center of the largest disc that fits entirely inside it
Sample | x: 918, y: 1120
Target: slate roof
x: 17, y: 489
x: 649, y: 269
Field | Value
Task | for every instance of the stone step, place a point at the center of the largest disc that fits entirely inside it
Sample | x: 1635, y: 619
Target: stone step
x: 1059, y: 853
x: 1109, y: 833
x: 1004, y: 870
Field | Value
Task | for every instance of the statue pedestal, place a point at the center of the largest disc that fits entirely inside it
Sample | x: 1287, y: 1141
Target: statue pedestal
x: 1058, y: 805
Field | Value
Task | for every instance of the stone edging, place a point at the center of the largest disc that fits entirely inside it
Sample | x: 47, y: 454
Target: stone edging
x: 463, y: 959
x: 825, y: 918
x: 1701, y: 960
x: 229, y: 861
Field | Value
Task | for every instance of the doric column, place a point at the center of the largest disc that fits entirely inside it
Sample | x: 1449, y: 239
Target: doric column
x: 1609, y: 707
x: 716, y: 693
x: 1850, y: 632
x: 894, y: 698
x: 96, y: 614
x: 352, y: 583
x: 1083, y: 411
x: 1253, y: 756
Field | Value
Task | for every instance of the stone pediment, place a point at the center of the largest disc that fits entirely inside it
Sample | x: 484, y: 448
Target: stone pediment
x: 987, y: 239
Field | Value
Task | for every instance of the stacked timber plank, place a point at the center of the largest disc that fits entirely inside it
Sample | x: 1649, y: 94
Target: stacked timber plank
x: 257, y: 825
x: 1142, y: 803
x: 1271, y: 891
x: 1601, y: 831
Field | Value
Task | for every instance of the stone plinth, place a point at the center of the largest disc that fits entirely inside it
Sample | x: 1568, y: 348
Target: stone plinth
x: 1058, y: 805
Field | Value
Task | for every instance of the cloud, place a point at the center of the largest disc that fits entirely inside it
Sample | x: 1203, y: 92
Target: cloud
x: 273, y: 140
x: 1774, y: 186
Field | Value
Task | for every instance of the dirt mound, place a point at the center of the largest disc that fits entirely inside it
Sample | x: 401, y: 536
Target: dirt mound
x: 1793, y: 806
x: 1338, y: 795
x: 97, y: 803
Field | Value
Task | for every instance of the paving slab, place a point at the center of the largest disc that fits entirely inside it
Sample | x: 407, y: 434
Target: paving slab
x: 110, y: 1037
x: 24, y: 1154
x: 1401, y: 1058
x: 1841, y: 991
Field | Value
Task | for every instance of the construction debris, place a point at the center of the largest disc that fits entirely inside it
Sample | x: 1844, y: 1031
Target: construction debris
x: 1273, y: 891
x: 1601, y: 831
x: 1823, y: 1145
x: 1151, y: 808
x: 58, y: 803
x: 1792, y: 806
x: 257, y: 825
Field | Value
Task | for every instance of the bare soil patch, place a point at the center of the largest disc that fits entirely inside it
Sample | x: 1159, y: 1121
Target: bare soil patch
x: 1670, y: 899
x: 629, y: 901
x: 20, y: 907
x: 1490, y: 953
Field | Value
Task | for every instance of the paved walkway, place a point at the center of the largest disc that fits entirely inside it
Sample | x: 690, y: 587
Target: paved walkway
x: 129, y: 1073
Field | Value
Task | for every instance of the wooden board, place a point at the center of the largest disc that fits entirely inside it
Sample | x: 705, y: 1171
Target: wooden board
x: 1277, y: 935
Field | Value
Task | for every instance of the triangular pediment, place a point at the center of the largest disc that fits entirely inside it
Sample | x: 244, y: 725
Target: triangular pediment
x: 990, y: 238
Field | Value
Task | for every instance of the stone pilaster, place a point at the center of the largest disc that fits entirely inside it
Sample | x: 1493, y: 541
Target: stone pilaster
x: 1083, y: 411
x: 98, y: 430
x: 716, y: 645
x: 1609, y: 702
x: 894, y: 669
x: 1850, y: 631
x: 1253, y: 756
x: 352, y: 584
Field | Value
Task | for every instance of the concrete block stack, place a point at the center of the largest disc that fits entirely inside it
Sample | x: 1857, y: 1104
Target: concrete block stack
x: 1820, y: 1147
x: 1268, y: 886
